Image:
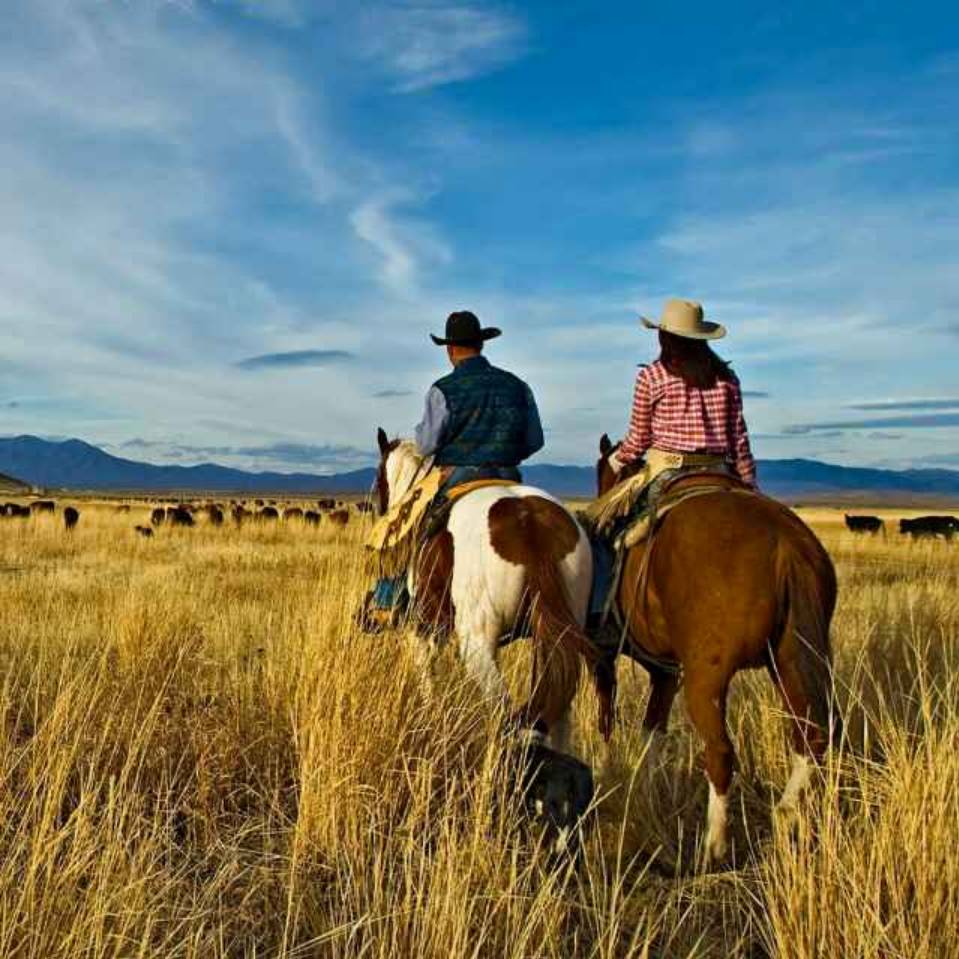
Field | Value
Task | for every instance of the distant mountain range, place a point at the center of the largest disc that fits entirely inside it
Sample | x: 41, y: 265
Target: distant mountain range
x: 76, y: 465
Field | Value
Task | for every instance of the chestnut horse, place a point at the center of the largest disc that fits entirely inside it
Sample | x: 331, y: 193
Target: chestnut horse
x: 734, y: 580
x: 508, y: 557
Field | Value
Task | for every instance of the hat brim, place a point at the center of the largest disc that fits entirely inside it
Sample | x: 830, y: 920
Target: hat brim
x: 489, y: 333
x: 707, y: 330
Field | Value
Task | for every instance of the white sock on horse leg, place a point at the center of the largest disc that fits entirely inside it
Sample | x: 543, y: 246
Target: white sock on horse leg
x: 798, y: 781
x: 716, y: 825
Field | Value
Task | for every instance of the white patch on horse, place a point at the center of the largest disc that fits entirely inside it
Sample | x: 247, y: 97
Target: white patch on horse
x: 716, y: 824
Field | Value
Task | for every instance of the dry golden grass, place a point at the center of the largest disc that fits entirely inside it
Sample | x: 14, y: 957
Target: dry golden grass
x: 202, y: 758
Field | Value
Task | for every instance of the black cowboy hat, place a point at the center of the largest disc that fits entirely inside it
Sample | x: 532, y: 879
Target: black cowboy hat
x: 463, y: 329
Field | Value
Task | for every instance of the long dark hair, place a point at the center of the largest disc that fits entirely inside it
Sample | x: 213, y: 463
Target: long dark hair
x: 694, y: 361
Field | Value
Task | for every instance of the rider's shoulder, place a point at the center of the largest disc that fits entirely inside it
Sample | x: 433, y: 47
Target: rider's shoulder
x: 653, y: 372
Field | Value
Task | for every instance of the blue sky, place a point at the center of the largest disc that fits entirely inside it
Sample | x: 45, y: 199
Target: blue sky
x: 229, y: 226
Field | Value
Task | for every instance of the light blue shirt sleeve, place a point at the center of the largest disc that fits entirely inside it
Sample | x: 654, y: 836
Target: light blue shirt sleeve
x: 535, y: 440
x: 429, y: 433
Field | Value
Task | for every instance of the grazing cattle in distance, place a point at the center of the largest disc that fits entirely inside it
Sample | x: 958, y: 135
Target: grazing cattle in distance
x: 326, y: 503
x: 158, y: 516
x: 44, y: 506
x: 269, y: 513
x: 340, y: 517
x: 239, y: 514
x: 15, y: 509
x: 257, y: 502
x: 179, y: 516
x: 364, y: 507
x: 294, y: 513
x: 144, y: 531
x: 865, y: 524
x: 123, y: 508
x: 215, y: 515
x: 922, y: 526
x: 312, y: 518
x: 71, y: 517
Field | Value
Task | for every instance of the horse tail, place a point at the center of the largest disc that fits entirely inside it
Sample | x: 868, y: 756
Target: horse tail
x: 538, y: 534
x: 559, y: 645
x: 807, y: 594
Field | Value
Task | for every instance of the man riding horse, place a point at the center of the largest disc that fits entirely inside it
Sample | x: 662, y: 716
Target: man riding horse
x: 479, y: 424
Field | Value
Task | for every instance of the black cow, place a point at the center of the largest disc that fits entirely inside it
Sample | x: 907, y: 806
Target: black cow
x: 294, y: 513
x: 934, y: 526
x: 44, y: 506
x: 326, y: 503
x: 158, y: 516
x: 269, y: 513
x: 312, y: 518
x: 239, y: 514
x: 215, y: 514
x: 865, y: 524
x: 71, y: 517
x: 15, y: 509
x: 144, y: 531
x: 179, y: 516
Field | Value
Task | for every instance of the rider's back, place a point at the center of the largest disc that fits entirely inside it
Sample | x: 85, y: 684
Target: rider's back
x: 489, y: 411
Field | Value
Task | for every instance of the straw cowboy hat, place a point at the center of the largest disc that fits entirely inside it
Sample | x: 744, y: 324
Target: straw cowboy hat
x: 685, y: 318
x: 463, y: 329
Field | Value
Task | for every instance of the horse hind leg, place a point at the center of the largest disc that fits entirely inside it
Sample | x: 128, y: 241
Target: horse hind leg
x: 706, y: 704
x: 478, y: 640
x: 664, y: 687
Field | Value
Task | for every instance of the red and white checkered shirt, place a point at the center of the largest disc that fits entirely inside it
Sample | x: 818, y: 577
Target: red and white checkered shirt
x: 670, y: 415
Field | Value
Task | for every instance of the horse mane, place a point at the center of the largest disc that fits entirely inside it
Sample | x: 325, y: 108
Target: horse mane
x: 404, y: 465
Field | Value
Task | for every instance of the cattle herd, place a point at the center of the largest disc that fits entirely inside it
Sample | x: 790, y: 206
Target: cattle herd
x: 337, y: 513
x: 186, y: 514
x: 922, y: 527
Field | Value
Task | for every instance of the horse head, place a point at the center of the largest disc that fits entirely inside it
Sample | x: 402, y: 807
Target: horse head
x: 400, y: 466
x: 606, y: 479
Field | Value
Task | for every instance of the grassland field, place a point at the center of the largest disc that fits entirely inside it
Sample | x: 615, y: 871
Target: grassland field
x: 202, y: 757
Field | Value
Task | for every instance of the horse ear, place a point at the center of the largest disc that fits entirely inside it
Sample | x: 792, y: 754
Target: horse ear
x: 605, y: 444
x: 383, y: 440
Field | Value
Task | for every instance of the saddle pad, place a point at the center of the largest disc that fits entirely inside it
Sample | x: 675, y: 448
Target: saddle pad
x: 638, y: 531
x: 458, y: 492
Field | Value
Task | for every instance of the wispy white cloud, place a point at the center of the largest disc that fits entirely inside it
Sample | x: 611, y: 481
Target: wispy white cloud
x: 404, y: 244
x: 428, y: 43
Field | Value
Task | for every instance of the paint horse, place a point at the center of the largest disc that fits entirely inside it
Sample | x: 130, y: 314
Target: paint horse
x: 733, y: 580
x: 508, y: 556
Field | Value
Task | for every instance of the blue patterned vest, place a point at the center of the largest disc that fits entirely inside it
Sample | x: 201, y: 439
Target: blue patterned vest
x: 487, y: 416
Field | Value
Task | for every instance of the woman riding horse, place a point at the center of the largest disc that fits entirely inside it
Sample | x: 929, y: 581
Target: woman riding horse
x: 767, y: 603
x: 687, y: 402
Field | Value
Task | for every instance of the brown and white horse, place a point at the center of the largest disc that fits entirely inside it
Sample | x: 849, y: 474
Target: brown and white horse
x: 735, y: 580
x: 509, y: 556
